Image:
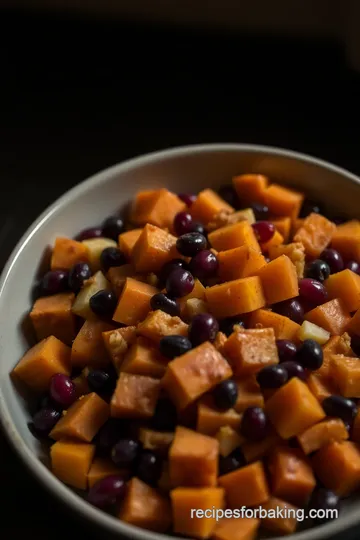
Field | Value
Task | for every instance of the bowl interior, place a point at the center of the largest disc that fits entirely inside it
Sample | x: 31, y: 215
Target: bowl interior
x: 189, y: 169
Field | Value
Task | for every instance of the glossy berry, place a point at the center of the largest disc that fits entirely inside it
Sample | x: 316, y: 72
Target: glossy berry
x: 290, y: 308
x: 225, y: 394
x: 110, y: 257
x: 79, y: 273
x: 254, y: 424
x: 286, y: 349
x: 169, y: 267
x: 272, y: 377
x: 107, y: 491
x: 191, y: 243
x: 54, y: 282
x: 182, y: 223
x: 228, y: 193
x: 125, y: 452
x: 317, y: 269
x: 310, y: 207
x: 149, y: 467
x: 264, y: 231
x: 204, y: 265
x: 294, y: 370
x: 340, y: 407
x: 310, y: 354
x: 261, y: 211
x: 165, y: 303
x: 232, y: 462
x: 98, y: 380
x: 87, y: 234
x: 333, y: 259
x: 103, y: 303
x: 165, y: 415
x: 112, y: 227
x: 44, y: 420
x: 203, y: 327
x: 198, y: 227
x: 62, y: 390
x: 323, y: 499
x: 227, y: 325
x: 179, y: 283
x: 187, y: 198
x: 173, y: 346
x: 313, y: 292
x: 108, y: 435
x: 353, y: 266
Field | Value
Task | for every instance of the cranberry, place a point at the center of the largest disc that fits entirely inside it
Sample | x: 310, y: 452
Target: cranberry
x: 333, y: 259
x: 79, y: 273
x: 264, y: 231
x: 182, y: 223
x: 103, y: 303
x: 203, y: 327
x: 318, y: 269
x: 312, y: 292
x: 165, y: 303
x: 340, y: 407
x: 198, y: 227
x: 261, y: 211
x: 290, y: 308
x: 286, y: 349
x: 225, y: 394
x: 54, y: 282
x: 87, y: 234
x: 272, y: 376
x: 44, y: 420
x: 173, y: 346
x: 232, y: 462
x: 125, y: 452
x: 169, y: 267
x: 62, y: 390
x: 353, y: 266
x: 310, y: 207
x: 110, y: 257
x: 323, y: 499
x: 191, y: 243
x: 204, y: 265
x: 294, y: 370
x: 228, y: 193
x: 107, y: 491
x: 179, y: 283
x: 149, y: 467
x: 310, y: 354
x: 112, y: 227
x: 187, y: 198
x: 254, y: 424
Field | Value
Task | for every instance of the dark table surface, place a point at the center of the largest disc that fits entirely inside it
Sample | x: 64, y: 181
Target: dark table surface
x: 78, y: 96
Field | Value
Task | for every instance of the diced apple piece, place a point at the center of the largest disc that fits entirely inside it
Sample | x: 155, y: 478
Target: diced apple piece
x: 95, y: 247
x: 309, y: 330
x: 81, y: 306
x: 228, y: 439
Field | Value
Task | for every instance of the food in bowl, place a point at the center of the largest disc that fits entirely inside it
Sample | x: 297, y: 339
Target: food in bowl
x: 202, y: 353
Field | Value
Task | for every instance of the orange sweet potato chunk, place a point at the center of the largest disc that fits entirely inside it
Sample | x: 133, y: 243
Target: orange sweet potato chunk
x: 317, y: 436
x: 279, y: 280
x: 291, y: 475
x: 186, y: 499
x: 159, y: 324
x: 236, y: 529
x: 117, y: 343
x: 153, y: 249
x: 143, y: 506
x: 159, y: 441
x: 283, y: 201
x: 321, y: 386
x: 346, y: 239
x: 345, y: 285
x: 81, y: 384
x: 345, y: 372
x: 134, y: 302
x: 338, y: 467
x: 193, y: 459
x: 71, y: 461
x: 207, y: 205
x: 219, y: 342
x: 254, y: 487
x: 249, y: 394
x: 283, y: 225
x: 143, y: 358
x: 88, y: 348
x: 296, y: 253
x: 279, y: 525
x: 41, y: 362
x: 250, y: 187
x: 233, y: 236
x: 198, y: 292
x: 276, y: 240
x: 117, y: 276
x: 335, y: 345
x: 210, y: 419
x: 101, y: 468
x: 253, y: 451
x: 141, y: 205
x: 135, y: 396
x: 315, y: 234
x: 66, y: 253
x: 250, y: 350
x: 194, y: 373
x: 240, y: 262
x: 127, y: 241
x: 235, y: 297
x: 158, y: 208
x: 284, y: 328
x: 293, y: 408
x: 332, y: 316
x: 52, y: 316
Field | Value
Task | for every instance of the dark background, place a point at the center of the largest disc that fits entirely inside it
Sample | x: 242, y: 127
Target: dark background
x: 80, y: 95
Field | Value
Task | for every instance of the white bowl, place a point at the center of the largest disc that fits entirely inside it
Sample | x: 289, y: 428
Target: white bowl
x: 186, y: 169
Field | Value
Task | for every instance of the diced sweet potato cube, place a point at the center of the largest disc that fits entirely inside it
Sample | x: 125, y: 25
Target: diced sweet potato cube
x: 296, y: 253
x: 156, y: 207
x: 233, y: 236
x: 296, y: 224
x: 338, y: 467
x: 141, y: 205
x: 345, y: 372
x: 134, y: 302
x: 66, y: 253
x: 81, y: 384
x: 235, y: 297
x: 276, y: 240
x: 194, y: 373
x: 71, y: 461
x: 193, y: 459
x: 279, y: 280
x: 207, y: 205
x: 332, y: 316
x: 223, y: 218
x: 52, y: 316
x: 279, y: 525
x: 315, y: 234
x: 184, y: 500
x: 101, y: 468
x: 159, y: 441
x: 293, y: 408
x: 283, y: 225
x: 88, y: 348
x: 249, y: 394
x: 346, y: 239
x: 346, y: 286
x: 41, y: 362
x: 254, y: 488
x: 250, y: 350
x: 153, y: 249
x: 117, y: 276
x: 335, y: 345
x: 254, y: 451
x: 210, y: 418
x: 144, y: 359
x: 135, y: 396
x: 127, y: 241
x: 284, y: 328
x: 236, y: 529
x: 321, y: 386
x: 317, y: 436
x: 228, y: 439
x: 240, y: 262
x: 219, y: 342
x: 143, y: 506
x: 117, y: 343
x: 355, y: 432
x: 193, y: 307
x: 159, y: 324
x: 251, y: 187
x: 83, y: 419
x: 292, y: 478
x: 283, y: 201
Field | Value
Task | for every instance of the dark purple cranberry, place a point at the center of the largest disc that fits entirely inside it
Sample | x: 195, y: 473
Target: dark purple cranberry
x: 45, y: 402
x: 110, y: 257
x: 310, y: 207
x: 170, y: 266
x: 317, y: 269
x: 232, y: 462
x: 286, y: 349
x: 333, y: 259
x: 227, y: 325
x: 354, y: 267
x: 228, y: 193
x: 125, y: 452
x: 179, y: 283
x: 149, y: 467
x: 103, y: 303
x: 54, y: 282
x: 165, y: 415
x: 79, y: 273
x: 254, y: 424
x: 272, y: 376
x: 204, y: 265
x: 112, y: 227
x: 108, y: 435
x: 98, y: 380
x: 312, y: 292
x: 165, y: 303
x: 323, y: 499
x: 340, y: 407
x: 261, y: 211
x: 44, y: 420
x: 290, y: 308
x: 225, y: 394
x: 87, y: 234
x: 62, y: 390
x: 198, y: 227
x: 264, y: 231
x: 107, y: 491
x: 173, y: 346
x: 294, y: 370
x: 191, y: 243
x: 310, y: 354
x: 355, y: 344
x: 187, y: 198
x: 183, y: 223
x: 203, y: 327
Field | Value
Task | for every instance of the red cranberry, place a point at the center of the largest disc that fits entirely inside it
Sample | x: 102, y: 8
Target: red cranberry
x: 183, y: 223
x: 62, y: 390
x: 187, y: 198
x: 312, y: 292
x: 264, y: 231
x: 204, y: 265
x: 333, y: 259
